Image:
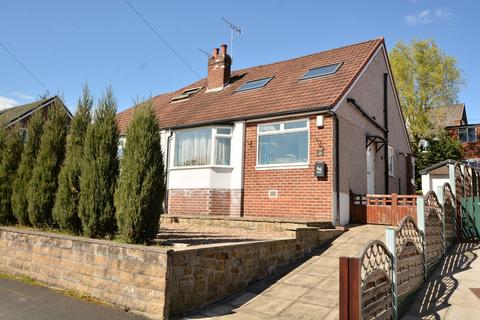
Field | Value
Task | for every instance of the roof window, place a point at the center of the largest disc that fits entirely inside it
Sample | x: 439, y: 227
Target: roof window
x: 186, y: 94
x: 254, y: 84
x: 321, y: 71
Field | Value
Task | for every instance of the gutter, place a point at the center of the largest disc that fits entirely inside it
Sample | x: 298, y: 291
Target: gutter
x: 366, y: 115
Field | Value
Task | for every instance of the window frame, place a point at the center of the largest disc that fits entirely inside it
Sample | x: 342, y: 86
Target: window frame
x: 392, y: 155
x: 466, y: 128
x: 338, y: 64
x: 282, y: 130
x: 239, y: 89
x: 213, y: 135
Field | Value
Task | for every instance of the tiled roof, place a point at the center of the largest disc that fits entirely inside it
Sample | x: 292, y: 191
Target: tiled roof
x: 7, y: 116
x: 454, y: 115
x: 285, y: 93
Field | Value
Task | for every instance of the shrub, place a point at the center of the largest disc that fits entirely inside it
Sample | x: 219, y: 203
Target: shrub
x: 11, y: 151
x: 65, y: 211
x: 99, y: 171
x: 25, y: 168
x: 43, y: 184
x: 141, y: 185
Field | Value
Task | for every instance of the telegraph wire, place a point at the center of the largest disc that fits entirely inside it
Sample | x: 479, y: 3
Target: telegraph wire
x: 161, y: 38
x: 23, y: 65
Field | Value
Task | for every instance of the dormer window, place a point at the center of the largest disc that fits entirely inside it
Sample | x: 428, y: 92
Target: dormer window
x: 186, y: 94
x: 321, y: 71
x: 467, y: 134
x: 255, y: 84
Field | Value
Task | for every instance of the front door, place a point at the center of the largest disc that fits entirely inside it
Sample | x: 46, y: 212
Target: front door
x: 371, y: 169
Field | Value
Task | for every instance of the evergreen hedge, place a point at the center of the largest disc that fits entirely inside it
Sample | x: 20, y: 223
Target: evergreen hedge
x: 65, y: 211
x: 99, y: 171
x: 11, y: 150
x: 25, y: 168
x: 141, y: 185
x: 43, y: 184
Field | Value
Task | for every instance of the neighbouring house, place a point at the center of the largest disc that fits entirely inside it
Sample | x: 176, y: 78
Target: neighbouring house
x: 21, y: 114
x: 289, y: 139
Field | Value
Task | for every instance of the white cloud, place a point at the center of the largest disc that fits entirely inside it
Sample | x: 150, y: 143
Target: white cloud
x: 6, y: 103
x: 22, y: 95
x: 428, y: 16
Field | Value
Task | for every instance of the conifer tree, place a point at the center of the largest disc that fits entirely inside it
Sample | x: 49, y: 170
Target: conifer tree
x: 99, y: 171
x: 11, y: 151
x: 25, y: 168
x: 140, y: 190
x: 43, y: 184
x: 65, y: 211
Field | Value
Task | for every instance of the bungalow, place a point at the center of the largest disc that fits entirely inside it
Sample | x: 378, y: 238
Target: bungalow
x: 290, y: 139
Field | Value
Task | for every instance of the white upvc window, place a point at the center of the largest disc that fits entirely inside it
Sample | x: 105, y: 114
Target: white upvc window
x: 120, y: 147
x: 391, y: 161
x: 206, y: 146
x: 283, y: 144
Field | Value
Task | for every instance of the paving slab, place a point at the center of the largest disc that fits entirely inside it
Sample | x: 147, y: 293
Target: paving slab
x: 310, y: 291
x: 453, y: 290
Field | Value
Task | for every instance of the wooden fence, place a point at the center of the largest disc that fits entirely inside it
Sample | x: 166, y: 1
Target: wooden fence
x: 380, y: 281
x: 385, y: 209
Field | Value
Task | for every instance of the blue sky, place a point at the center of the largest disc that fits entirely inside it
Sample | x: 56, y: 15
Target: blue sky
x: 68, y: 43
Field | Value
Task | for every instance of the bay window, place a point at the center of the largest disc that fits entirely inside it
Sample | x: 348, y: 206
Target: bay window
x: 283, y: 143
x: 203, y: 147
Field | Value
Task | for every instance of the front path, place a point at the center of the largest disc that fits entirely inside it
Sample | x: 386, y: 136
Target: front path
x: 308, y: 292
x: 453, y: 290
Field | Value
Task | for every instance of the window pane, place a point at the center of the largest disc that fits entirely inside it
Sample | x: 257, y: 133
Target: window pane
x: 462, y: 135
x: 283, y: 148
x: 254, y: 84
x: 222, y: 151
x: 224, y: 131
x: 296, y: 125
x: 321, y: 71
x: 472, y: 135
x: 269, y: 127
x: 193, y: 147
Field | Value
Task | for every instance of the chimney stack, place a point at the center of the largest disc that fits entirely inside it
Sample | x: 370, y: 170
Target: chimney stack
x: 218, y: 68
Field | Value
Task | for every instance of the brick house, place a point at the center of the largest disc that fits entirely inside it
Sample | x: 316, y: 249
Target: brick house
x: 456, y: 123
x: 21, y: 114
x: 289, y: 139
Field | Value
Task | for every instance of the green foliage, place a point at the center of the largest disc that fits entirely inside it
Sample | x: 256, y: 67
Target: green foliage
x: 24, y: 172
x: 65, y: 211
x: 141, y: 186
x: 11, y: 151
x: 425, y: 78
x: 442, y: 148
x: 43, y: 184
x: 99, y: 171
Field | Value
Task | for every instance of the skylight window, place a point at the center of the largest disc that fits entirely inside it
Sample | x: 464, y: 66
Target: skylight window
x: 254, y: 84
x: 186, y: 94
x: 321, y: 71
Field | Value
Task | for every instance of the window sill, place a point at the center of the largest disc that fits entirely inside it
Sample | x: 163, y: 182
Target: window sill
x: 200, y: 167
x: 282, y: 167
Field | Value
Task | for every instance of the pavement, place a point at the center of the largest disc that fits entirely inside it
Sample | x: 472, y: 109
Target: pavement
x: 310, y: 291
x: 20, y: 301
x: 453, y: 290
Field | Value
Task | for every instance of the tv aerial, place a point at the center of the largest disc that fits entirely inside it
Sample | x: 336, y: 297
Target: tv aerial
x: 234, y: 30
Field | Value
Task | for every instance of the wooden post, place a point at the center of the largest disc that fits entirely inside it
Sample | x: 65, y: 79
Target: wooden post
x: 350, y: 278
x: 394, y: 217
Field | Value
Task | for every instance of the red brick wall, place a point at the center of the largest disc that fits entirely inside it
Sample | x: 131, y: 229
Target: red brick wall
x: 204, y: 202
x: 301, y: 195
x: 471, y: 149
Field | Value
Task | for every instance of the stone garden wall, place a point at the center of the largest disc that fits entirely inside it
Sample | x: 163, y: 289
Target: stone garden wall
x: 156, y: 282
x: 125, y: 275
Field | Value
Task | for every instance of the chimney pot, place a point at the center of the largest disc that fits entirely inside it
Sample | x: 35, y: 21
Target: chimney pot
x: 223, y: 49
x: 215, y: 52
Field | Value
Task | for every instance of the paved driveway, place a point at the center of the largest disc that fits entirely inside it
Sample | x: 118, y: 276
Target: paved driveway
x: 22, y: 301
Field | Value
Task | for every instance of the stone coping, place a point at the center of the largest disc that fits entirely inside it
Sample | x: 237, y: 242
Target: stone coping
x: 227, y: 245
x: 111, y: 243
x: 252, y: 219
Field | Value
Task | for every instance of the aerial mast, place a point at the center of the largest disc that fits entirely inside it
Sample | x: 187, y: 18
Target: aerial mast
x: 233, y: 30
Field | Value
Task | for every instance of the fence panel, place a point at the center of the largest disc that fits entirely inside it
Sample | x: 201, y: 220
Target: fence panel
x: 433, y: 229
x: 449, y: 212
